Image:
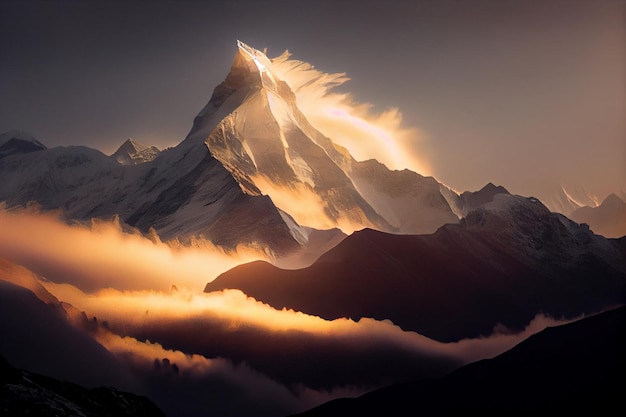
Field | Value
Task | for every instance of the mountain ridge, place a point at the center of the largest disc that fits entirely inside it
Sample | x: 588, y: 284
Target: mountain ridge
x: 505, y: 262
x: 252, y: 171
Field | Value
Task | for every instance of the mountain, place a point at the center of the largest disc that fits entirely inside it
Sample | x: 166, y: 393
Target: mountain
x: 577, y: 368
x: 607, y: 219
x: 15, y: 142
x: 23, y: 393
x: 508, y: 260
x: 183, y: 193
x: 253, y: 126
x: 252, y: 171
x: 38, y: 334
x: 471, y: 200
x: 133, y: 153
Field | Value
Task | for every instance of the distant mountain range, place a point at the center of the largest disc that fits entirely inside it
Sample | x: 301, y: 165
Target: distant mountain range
x: 608, y: 219
x: 252, y: 171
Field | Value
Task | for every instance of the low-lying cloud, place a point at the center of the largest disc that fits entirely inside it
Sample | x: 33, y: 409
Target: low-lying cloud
x: 100, y: 254
x: 232, y: 325
x: 194, y: 385
x: 220, y: 353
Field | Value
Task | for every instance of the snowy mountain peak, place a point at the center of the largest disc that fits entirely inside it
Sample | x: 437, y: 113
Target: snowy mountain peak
x: 260, y: 62
x: 252, y: 171
x: 134, y: 153
x: 254, y: 127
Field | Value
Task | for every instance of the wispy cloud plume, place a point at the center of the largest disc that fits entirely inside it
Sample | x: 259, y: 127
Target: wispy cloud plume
x: 364, y: 132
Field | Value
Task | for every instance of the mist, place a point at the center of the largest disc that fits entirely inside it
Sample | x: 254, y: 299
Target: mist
x: 195, y: 353
x: 366, y: 134
x: 100, y: 254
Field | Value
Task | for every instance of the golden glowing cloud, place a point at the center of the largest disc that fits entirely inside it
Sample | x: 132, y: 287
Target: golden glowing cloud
x: 253, y: 387
x: 233, y: 310
x: 101, y: 255
x: 353, y: 125
x: 304, y: 205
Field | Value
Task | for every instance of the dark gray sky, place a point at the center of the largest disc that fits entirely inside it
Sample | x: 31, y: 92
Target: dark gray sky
x: 520, y: 93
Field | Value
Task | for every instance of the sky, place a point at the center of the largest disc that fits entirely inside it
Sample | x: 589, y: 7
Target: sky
x: 525, y: 94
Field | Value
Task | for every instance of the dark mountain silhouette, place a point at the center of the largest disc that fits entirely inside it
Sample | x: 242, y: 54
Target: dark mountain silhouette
x: 23, y: 393
x: 506, y: 261
x: 36, y: 336
x: 574, y: 369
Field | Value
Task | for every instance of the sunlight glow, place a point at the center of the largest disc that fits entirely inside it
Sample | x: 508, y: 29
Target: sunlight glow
x: 304, y: 205
x: 232, y: 310
x: 101, y: 255
x: 353, y: 125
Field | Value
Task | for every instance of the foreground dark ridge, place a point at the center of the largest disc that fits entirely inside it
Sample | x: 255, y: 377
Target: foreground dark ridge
x: 26, y: 394
x: 577, y: 369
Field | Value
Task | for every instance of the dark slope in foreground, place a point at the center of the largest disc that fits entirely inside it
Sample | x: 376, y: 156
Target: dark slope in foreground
x: 37, y: 336
x: 574, y: 369
x: 506, y: 262
x: 26, y: 394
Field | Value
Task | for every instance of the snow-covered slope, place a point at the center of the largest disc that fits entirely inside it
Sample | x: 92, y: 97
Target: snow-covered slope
x: 251, y: 171
x: 183, y: 193
x: 253, y: 126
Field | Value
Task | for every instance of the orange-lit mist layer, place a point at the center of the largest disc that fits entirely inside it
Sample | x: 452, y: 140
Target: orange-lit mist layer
x: 352, y: 125
x: 232, y: 309
x: 101, y: 255
x: 143, y: 354
x: 304, y: 205
x: 21, y: 276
